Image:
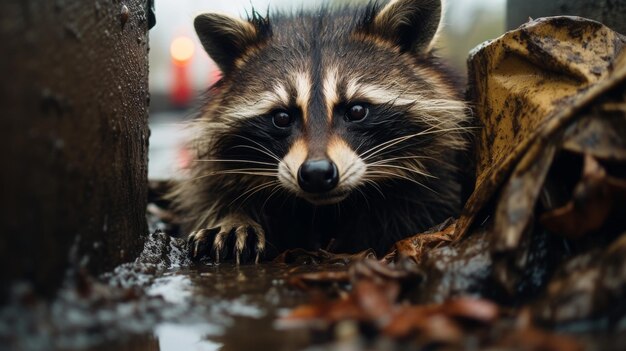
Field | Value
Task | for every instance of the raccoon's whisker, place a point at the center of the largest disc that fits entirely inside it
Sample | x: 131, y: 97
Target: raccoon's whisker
x: 270, y: 153
x: 257, y: 169
x: 445, y: 130
x: 259, y: 150
x: 403, y: 168
x: 388, y: 150
x: 243, y: 172
x: 276, y: 189
x: 399, y: 138
x: 431, y: 130
x: 263, y: 174
x: 400, y: 148
x: 382, y: 146
x: 375, y: 186
x: 236, y: 161
x: 402, y: 176
x: 367, y: 202
x: 288, y: 195
x: 252, y: 191
x: 356, y: 150
x: 288, y: 176
x: 389, y: 160
x: 396, y: 141
x: 290, y: 173
x: 203, y: 221
x: 348, y: 172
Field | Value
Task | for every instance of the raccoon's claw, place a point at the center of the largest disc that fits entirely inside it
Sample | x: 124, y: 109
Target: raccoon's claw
x: 239, y: 240
x: 199, y: 243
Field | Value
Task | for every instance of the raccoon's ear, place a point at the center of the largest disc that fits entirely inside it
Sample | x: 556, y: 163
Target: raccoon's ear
x: 226, y: 39
x: 409, y: 24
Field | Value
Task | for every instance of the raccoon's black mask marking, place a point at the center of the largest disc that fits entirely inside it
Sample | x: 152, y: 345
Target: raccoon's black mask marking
x: 355, y: 91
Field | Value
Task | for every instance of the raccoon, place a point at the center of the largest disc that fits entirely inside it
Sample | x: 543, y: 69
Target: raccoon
x: 335, y: 128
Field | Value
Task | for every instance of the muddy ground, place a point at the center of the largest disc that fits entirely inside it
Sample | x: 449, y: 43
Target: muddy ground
x: 318, y: 301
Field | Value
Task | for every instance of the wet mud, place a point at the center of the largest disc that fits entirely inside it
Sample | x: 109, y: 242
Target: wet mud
x: 446, y: 299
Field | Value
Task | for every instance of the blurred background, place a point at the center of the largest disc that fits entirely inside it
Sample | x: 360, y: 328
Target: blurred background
x: 180, y: 70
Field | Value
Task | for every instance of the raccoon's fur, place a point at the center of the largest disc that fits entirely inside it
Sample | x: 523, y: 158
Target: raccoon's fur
x: 331, y: 126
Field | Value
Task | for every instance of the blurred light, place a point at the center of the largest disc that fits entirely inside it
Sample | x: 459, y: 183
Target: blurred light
x: 182, y: 49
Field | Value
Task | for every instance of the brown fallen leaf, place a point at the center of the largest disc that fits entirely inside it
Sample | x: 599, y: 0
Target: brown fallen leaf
x: 408, y: 320
x: 415, y: 246
x: 471, y: 309
x: 424, y: 323
x: 305, y: 281
x: 380, y: 271
x: 591, y: 204
x: 376, y: 300
x: 533, y: 339
x: 526, y: 336
x: 441, y: 322
x: 377, y: 305
x: 367, y: 302
x: 364, y: 269
x: 375, y: 308
x: 320, y: 256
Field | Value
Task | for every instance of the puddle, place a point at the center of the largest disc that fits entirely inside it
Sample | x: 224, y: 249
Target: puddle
x: 160, y: 302
x: 175, y: 289
x: 174, y: 337
x: 220, y: 307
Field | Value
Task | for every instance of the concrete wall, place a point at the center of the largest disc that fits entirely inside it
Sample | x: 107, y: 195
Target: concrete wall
x: 610, y: 12
x: 74, y: 135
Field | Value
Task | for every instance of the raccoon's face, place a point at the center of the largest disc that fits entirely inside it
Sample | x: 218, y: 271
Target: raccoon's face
x: 327, y: 102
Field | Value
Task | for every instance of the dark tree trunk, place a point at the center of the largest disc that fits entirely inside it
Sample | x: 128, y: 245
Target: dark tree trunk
x: 74, y: 107
x: 609, y: 12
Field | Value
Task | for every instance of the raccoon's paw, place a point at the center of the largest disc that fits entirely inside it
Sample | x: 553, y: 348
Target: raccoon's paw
x: 236, y: 237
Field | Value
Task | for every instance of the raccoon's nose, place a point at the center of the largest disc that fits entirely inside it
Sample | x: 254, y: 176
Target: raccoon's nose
x: 318, y: 176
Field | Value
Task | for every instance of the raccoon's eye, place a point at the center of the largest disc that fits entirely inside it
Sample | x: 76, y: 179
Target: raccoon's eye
x: 282, y: 119
x: 356, y: 112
